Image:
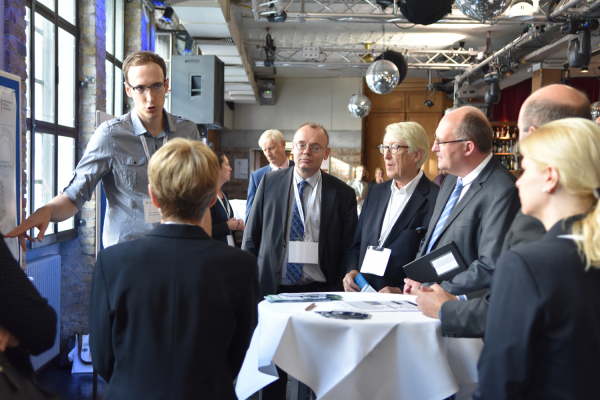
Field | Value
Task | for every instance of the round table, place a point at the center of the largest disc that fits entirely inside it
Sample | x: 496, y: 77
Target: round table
x: 391, y: 355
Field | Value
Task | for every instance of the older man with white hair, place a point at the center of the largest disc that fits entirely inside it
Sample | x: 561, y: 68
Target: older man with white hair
x: 396, y: 213
x: 272, y: 144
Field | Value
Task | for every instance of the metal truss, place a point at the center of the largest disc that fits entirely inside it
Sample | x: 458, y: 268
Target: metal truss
x: 338, y: 10
x: 361, y: 58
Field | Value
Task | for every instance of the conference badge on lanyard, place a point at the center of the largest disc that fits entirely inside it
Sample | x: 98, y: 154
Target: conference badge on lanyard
x: 151, y: 212
x: 307, y: 251
x: 377, y: 257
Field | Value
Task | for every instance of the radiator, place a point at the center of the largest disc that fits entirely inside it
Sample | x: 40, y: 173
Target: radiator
x: 45, y: 272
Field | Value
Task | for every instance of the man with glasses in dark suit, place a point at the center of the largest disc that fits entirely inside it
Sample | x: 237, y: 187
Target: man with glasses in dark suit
x: 477, y: 203
x: 118, y: 154
x: 300, y: 227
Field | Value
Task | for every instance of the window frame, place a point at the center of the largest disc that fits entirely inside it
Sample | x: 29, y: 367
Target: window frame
x: 34, y: 126
x: 117, y: 64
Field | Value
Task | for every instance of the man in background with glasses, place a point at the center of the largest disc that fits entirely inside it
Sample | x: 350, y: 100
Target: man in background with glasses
x: 396, y: 213
x: 477, y: 203
x: 118, y: 154
x: 300, y: 227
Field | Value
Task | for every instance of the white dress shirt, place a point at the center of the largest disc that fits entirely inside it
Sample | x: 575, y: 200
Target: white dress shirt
x: 310, y: 272
x: 398, y: 200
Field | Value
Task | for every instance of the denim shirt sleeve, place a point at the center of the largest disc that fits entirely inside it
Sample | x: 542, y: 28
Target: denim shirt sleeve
x: 96, y: 162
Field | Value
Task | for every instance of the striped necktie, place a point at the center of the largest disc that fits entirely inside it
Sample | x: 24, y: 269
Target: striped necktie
x: 293, y: 271
x: 446, y: 213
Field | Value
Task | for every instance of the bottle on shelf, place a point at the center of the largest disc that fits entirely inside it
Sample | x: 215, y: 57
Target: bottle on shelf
x: 514, y: 134
x: 517, y: 164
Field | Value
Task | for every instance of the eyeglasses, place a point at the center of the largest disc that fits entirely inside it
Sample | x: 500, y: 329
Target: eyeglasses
x: 435, y: 139
x: 156, y: 88
x: 394, y: 148
x: 303, y: 146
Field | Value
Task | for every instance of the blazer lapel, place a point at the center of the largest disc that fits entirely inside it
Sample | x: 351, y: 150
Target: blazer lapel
x: 471, y: 192
x: 285, y: 211
x: 384, y: 199
x: 416, y: 201
x: 328, y: 195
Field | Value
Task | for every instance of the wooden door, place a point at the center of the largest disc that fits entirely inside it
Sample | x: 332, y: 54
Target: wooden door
x: 429, y: 121
x: 375, y: 130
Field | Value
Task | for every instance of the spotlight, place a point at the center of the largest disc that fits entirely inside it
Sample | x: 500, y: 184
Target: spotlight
x: 584, y: 70
x: 580, y: 51
x: 492, y: 93
x: 429, y: 103
x: 167, y: 15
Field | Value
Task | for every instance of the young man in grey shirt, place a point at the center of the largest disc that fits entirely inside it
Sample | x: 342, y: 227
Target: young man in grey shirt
x: 118, y: 154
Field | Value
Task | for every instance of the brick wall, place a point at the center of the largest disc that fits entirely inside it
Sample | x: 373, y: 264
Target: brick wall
x: 15, y: 53
x: 78, y: 255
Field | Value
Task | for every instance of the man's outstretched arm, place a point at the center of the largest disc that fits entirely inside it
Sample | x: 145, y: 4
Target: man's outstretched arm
x: 58, y: 209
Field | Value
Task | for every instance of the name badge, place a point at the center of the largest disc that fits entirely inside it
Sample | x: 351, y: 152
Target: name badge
x: 230, y: 240
x: 375, y: 261
x: 151, y: 212
x: 304, y: 252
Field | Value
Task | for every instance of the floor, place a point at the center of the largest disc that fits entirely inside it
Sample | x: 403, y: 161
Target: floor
x: 79, y: 386
x: 70, y: 386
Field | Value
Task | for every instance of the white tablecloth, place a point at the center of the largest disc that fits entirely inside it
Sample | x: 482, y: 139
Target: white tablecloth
x: 393, y: 355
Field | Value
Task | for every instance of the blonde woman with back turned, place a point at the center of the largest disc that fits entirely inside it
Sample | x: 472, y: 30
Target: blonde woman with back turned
x: 542, y: 337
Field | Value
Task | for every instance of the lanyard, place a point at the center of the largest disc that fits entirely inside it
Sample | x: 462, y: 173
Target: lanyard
x: 310, y: 205
x: 145, y: 145
x: 226, y: 208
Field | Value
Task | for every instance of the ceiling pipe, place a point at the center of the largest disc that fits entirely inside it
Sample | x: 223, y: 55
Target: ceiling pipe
x: 566, y: 6
x: 497, y: 54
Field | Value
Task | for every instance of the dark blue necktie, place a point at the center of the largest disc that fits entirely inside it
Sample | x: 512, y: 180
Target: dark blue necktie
x: 294, y: 271
x: 446, y: 213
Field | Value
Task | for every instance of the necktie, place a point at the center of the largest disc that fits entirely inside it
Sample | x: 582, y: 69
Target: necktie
x: 446, y: 213
x: 293, y: 271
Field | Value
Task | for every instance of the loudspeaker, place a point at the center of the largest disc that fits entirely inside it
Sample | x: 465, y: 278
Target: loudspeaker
x: 197, y: 89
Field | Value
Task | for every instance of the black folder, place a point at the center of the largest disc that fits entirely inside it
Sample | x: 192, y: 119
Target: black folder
x: 424, y: 269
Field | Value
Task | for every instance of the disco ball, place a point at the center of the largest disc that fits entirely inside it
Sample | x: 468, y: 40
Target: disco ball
x: 595, y: 110
x: 383, y: 76
x: 359, y: 106
x: 482, y: 10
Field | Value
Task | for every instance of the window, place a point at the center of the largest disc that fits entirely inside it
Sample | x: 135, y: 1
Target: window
x: 115, y: 38
x: 52, y: 39
x: 163, y: 49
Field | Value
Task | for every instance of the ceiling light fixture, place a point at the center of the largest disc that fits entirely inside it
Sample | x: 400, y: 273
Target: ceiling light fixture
x: 523, y: 10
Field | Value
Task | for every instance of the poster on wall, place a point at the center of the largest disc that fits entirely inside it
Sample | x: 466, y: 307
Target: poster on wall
x: 8, y: 166
x: 240, y: 170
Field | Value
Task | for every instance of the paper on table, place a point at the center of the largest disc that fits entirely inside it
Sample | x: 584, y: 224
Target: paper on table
x: 385, y: 306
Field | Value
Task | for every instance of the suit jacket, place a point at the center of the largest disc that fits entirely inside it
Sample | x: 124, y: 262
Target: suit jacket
x: 220, y: 230
x: 543, y: 325
x: 255, y: 179
x: 405, y: 236
x: 24, y: 313
x: 172, y: 315
x: 477, y: 224
x: 266, y: 233
x: 467, y: 318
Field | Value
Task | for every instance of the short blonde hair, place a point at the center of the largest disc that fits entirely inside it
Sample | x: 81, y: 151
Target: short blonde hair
x: 271, y: 134
x: 413, y: 134
x: 183, y: 176
x: 572, y: 145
